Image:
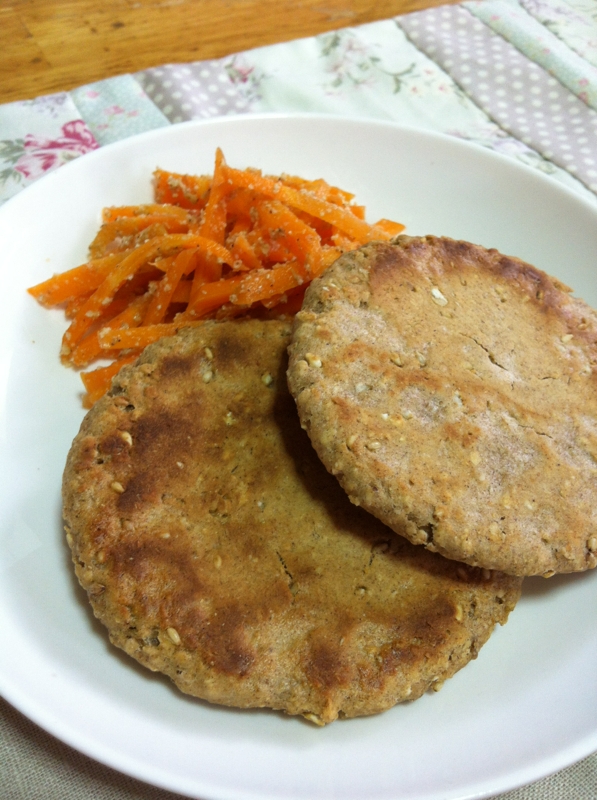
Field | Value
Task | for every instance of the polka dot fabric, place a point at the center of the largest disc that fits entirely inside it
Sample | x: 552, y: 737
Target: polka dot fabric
x: 524, y: 99
x: 198, y: 90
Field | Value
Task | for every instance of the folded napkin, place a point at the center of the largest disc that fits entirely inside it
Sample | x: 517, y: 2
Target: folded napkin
x: 516, y: 76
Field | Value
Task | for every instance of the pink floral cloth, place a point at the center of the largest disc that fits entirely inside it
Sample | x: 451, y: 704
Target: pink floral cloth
x: 37, y: 136
x: 35, y: 156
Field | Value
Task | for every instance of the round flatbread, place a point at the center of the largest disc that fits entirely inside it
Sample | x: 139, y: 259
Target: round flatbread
x: 216, y: 548
x: 451, y: 391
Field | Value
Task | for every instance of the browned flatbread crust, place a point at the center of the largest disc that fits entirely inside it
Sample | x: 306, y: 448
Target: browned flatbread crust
x: 451, y: 390
x: 217, y: 549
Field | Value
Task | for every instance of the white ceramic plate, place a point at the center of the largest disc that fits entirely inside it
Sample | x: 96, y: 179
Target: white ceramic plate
x: 525, y: 708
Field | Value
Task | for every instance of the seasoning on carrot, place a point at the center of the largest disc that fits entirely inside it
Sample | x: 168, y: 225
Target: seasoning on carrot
x: 234, y: 243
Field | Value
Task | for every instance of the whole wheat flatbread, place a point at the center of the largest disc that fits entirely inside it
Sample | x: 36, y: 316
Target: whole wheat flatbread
x: 451, y: 389
x: 215, y: 547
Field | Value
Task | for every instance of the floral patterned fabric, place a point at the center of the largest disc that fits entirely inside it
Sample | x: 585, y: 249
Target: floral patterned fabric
x: 572, y: 21
x: 37, y: 136
x: 540, y: 44
x: 116, y: 109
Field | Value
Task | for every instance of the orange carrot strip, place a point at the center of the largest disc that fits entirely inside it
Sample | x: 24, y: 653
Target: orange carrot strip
x: 186, y: 191
x: 119, y: 230
x: 260, y: 284
x: 286, y: 305
x: 269, y: 250
x: 130, y: 225
x: 358, y: 211
x: 320, y: 188
x: 243, y: 251
x: 323, y: 229
x: 339, y: 196
x: 326, y: 258
x: 207, y: 246
x: 207, y: 270
x: 126, y: 339
x: 240, y: 203
x: 74, y: 282
x: 131, y: 317
x: 300, y: 239
x: 182, y: 293
x: 389, y: 226
x: 97, y: 382
x: 213, y: 227
x: 342, y: 218
x: 343, y: 242
x: 113, y: 213
x: 211, y: 295
x: 160, y: 301
x: 239, y: 225
x: 132, y: 288
x: 214, y: 220
x: 103, y: 295
x: 124, y: 271
x: 215, y: 250
x: 75, y: 304
x: 164, y: 263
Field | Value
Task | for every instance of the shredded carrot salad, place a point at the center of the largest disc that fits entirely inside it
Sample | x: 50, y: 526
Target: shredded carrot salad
x: 233, y: 243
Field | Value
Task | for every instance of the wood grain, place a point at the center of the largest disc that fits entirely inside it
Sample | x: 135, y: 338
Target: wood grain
x: 54, y: 45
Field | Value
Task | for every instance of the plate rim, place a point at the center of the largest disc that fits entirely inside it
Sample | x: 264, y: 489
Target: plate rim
x: 568, y: 756
x: 235, y: 119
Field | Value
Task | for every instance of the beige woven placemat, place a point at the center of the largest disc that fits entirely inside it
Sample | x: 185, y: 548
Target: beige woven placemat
x: 36, y: 766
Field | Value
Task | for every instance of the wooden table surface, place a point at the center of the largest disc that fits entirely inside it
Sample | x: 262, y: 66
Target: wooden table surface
x: 49, y: 46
